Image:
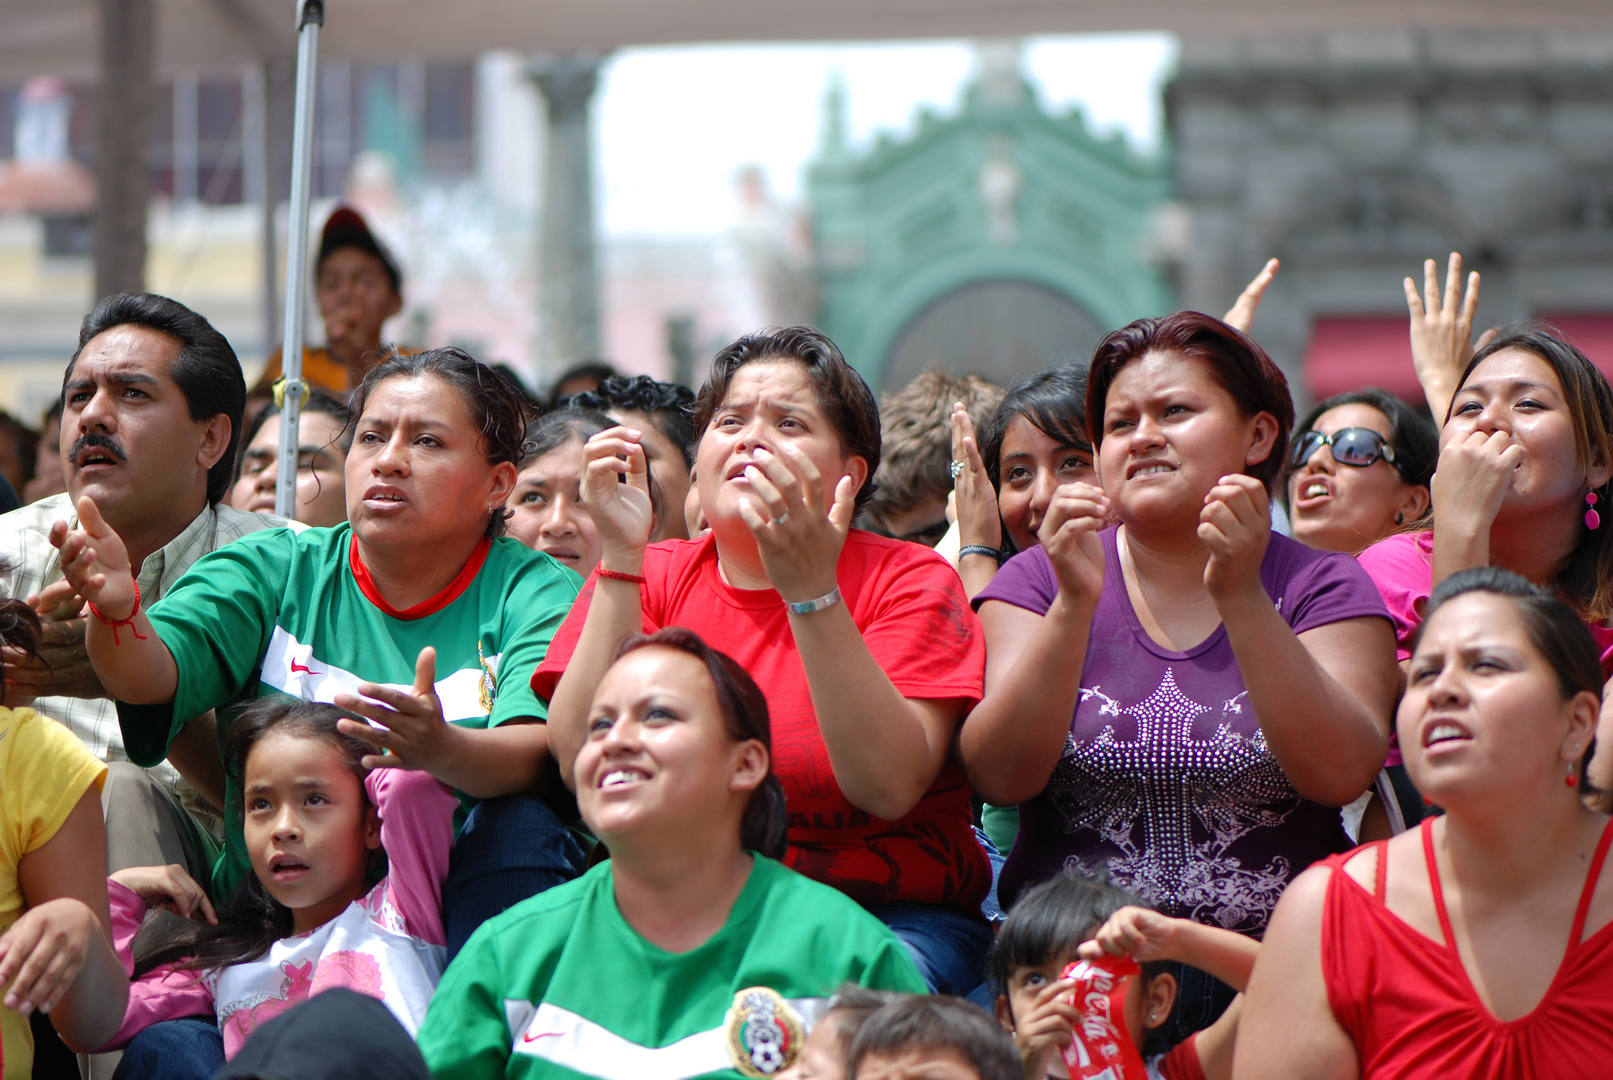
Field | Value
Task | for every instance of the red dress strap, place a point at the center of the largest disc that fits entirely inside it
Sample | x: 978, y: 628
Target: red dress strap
x: 1434, y: 884
x: 1381, y: 885
x: 1591, y: 878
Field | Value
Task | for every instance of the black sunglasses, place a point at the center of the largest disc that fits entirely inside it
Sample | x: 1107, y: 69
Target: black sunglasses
x: 1354, y: 446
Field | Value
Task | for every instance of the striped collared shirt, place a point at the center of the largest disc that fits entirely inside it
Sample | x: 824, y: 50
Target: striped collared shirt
x: 25, y: 544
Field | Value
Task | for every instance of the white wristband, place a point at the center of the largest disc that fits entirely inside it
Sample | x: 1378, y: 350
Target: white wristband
x: 807, y: 607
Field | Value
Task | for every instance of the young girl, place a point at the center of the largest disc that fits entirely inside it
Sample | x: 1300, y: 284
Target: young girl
x: 1068, y: 918
x: 308, y: 917
x: 546, y: 511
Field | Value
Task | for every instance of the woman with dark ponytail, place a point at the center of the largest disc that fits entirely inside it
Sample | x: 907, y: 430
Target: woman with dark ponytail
x: 690, y: 951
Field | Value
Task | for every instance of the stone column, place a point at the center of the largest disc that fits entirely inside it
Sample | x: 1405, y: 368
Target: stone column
x: 123, y: 132
x: 568, y: 324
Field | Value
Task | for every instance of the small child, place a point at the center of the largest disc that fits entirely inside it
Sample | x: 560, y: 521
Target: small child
x: 826, y: 1052
x: 921, y: 1037
x: 1069, y: 918
x: 308, y: 918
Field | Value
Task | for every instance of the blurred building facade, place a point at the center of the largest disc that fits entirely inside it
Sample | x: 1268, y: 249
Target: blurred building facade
x: 1355, y: 156
x: 994, y: 241
x: 996, y: 238
x: 447, y: 162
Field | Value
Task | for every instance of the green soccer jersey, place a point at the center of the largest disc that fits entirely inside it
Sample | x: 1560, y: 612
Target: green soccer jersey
x: 278, y: 612
x: 561, y: 986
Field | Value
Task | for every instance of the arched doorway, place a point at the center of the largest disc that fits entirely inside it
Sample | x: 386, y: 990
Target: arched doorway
x: 996, y: 329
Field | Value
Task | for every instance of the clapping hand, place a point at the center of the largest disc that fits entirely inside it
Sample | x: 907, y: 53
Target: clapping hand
x: 798, y: 540
x: 979, y: 521
x: 1069, y: 532
x: 1235, y: 525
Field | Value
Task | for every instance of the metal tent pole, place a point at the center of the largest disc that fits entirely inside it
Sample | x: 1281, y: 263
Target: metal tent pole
x: 310, y: 17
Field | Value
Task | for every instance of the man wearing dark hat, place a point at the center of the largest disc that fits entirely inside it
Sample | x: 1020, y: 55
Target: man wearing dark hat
x: 359, y: 289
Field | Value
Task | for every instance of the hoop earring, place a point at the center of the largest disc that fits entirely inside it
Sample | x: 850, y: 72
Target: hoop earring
x: 1593, y: 520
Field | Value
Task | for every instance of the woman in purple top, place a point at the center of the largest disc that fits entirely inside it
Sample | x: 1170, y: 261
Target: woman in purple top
x: 1230, y: 688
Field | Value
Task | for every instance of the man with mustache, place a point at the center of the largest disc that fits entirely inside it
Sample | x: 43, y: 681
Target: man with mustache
x: 152, y: 403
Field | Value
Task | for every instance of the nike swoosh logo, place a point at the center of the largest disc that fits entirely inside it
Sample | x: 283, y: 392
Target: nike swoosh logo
x: 528, y: 1037
x: 306, y: 670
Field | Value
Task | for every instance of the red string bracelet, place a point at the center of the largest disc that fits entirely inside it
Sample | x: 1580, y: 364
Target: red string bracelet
x: 115, y: 623
x: 617, y: 575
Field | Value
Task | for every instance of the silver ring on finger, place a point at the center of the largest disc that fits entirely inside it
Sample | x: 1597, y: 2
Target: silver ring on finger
x: 782, y: 518
x: 957, y: 468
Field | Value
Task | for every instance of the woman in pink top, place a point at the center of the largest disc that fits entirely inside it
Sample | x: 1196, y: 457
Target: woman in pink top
x: 1526, y: 456
x: 1479, y: 945
x: 1525, y: 459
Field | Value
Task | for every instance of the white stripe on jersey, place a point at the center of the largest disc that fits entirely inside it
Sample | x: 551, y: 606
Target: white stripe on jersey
x: 563, y: 1037
x: 292, y: 668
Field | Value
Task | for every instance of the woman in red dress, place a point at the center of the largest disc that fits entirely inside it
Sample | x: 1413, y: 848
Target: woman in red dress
x: 1480, y: 945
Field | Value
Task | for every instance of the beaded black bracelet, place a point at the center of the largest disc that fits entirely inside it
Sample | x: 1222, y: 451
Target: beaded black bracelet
x: 981, y: 549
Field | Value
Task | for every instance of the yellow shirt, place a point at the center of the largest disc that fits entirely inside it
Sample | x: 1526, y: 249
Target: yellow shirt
x: 44, y: 771
x: 320, y: 370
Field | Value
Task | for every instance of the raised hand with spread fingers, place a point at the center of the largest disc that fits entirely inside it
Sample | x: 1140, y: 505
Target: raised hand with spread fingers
x: 128, y: 657
x: 1442, y: 331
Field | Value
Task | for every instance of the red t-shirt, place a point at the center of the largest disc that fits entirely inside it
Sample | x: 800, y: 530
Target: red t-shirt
x: 913, y: 615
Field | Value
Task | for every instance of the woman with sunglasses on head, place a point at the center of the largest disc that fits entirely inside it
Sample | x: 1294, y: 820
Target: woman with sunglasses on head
x: 1359, y: 471
x: 1183, y: 699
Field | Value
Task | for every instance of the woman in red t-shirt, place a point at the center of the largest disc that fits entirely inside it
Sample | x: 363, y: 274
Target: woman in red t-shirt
x: 866, y: 647
x: 1480, y: 945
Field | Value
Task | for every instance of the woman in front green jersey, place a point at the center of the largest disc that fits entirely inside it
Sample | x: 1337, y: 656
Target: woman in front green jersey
x: 690, y: 952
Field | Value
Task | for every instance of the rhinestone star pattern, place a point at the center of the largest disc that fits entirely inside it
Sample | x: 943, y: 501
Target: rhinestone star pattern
x: 1172, y: 805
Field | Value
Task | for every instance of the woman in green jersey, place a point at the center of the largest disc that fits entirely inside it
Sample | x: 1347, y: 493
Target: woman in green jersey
x: 690, y: 952
x: 407, y: 617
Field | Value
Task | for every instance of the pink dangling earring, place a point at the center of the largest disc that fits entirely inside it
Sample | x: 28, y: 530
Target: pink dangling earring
x: 1592, y: 518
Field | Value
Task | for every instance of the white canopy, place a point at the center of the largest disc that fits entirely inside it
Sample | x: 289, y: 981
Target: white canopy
x: 59, y: 36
